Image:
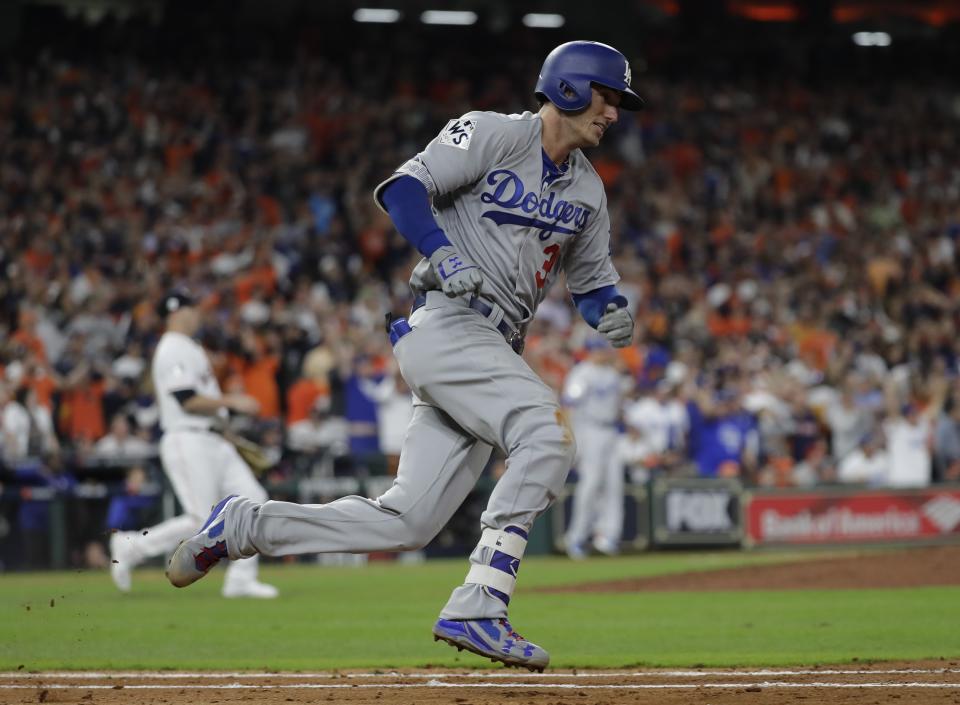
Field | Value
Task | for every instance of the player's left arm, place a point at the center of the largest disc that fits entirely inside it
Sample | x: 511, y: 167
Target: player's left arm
x: 593, y: 304
x: 591, y: 279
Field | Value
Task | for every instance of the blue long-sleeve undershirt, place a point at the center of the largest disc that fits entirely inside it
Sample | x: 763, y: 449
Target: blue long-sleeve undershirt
x: 593, y: 304
x: 408, y: 203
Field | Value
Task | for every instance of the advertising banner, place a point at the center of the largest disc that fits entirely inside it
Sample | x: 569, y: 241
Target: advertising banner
x: 695, y: 511
x: 842, y: 517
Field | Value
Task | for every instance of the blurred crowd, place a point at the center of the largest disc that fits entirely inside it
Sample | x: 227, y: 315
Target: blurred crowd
x: 789, y: 251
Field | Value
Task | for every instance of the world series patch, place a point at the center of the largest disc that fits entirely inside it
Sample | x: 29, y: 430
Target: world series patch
x: 458, y: 133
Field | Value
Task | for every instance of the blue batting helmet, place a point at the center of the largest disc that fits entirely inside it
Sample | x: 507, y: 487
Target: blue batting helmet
x: 569, y: 70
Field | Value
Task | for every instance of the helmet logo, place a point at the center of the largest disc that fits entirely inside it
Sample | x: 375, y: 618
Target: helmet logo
x: 627, y: 76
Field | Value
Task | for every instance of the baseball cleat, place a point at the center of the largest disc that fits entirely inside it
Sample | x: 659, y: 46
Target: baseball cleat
x: 494, y: 639
x: 196, y: 555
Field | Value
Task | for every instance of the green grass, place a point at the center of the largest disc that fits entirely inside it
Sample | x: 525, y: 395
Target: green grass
x: 380, y: 617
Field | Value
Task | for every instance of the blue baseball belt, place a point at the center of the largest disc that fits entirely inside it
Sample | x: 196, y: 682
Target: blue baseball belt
x: 399, y: 327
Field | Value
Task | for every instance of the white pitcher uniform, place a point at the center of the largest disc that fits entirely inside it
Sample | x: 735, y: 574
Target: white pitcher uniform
x: 201, y: 466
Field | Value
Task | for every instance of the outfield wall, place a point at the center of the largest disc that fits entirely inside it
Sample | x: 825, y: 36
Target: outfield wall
x: 695, y: 512
x: 840, y: 517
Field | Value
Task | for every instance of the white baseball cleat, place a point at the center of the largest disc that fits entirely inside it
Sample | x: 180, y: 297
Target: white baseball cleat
x: 254, y: 589
x: 196, y: 555
x: 121, y: 560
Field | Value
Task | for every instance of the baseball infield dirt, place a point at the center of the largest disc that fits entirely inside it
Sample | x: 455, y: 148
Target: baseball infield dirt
x: 890, y: 683
x: 875, y: 683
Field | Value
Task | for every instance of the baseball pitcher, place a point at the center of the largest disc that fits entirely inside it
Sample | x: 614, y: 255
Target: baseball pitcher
x: 201, y: 465
x: 498, y: 205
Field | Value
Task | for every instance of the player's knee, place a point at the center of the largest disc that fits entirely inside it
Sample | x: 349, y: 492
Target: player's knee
x: 558, y: 435
x: 415, y: 528
x: 418, y: 532
x: 546, y: 428
x: 554, y: 448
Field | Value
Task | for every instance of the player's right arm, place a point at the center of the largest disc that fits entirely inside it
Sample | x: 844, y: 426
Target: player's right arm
x: 407, y: 202
x: 460, y: 155
x: 179, y: 372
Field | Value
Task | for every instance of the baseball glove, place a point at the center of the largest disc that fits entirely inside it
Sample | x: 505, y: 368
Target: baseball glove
x: 254, y: 455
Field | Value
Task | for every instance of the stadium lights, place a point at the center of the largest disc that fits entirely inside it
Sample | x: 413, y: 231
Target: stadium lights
x: 872, y: 39
x: 457, y: 17
x: 376, y: 14
x: 544, y: 20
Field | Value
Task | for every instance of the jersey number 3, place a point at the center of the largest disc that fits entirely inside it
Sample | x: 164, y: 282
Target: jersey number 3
x: 553, y: 254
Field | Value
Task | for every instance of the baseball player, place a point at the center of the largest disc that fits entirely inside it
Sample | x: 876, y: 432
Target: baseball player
x: 593, y: 393
x: 498, y: 205
x: 200, y: 464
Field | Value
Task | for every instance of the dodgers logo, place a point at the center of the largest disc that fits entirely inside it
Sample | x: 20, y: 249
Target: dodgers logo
x: 510, y: 192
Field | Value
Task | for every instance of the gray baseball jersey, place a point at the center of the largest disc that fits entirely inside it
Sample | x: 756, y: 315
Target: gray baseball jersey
x: 594, y: 393
x: 495, y: 199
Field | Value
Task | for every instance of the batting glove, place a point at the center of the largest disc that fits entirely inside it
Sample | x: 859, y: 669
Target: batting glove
x: 616, y: 325
x: 457, y: 274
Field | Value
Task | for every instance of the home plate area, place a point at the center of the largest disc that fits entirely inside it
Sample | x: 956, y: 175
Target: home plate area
x: 927, y: 682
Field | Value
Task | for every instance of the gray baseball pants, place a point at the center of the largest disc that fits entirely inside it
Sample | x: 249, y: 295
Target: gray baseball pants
x: 598, y: 499
x: 473, y: 393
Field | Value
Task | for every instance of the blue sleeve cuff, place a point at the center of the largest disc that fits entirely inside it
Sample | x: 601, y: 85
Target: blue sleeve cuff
x: 593, y: 304
x: 408, y: 203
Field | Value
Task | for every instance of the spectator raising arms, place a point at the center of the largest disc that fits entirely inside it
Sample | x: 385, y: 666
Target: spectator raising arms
x: 909, y: 429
